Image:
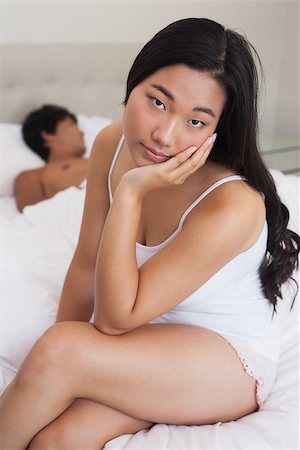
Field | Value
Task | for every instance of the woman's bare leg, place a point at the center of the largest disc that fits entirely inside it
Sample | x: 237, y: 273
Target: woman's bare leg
x: 86, y: 425
x: 155, y: 373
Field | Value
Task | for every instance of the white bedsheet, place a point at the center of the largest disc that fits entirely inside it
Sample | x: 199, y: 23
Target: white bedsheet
x: 36, y: 249
x: 8, y: 208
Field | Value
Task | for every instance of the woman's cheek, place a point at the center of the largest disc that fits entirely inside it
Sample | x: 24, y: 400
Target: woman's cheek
x: 132, y: 119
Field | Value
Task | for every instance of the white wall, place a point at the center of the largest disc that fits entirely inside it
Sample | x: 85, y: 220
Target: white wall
x: 272, y: 26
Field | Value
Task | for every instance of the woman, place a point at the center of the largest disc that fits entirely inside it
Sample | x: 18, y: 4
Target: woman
x: 182, y: 254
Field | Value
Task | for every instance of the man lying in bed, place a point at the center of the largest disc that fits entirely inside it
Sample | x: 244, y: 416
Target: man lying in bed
x: 53, y: 134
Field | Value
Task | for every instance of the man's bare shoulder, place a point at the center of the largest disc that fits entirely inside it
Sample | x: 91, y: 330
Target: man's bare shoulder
x: 30, y: 174
x: 27, y: 187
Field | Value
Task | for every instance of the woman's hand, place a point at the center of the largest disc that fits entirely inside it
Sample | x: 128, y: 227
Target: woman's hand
x: 176, y: 170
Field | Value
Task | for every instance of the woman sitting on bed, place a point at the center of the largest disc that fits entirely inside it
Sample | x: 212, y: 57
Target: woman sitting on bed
x: 182, y: 254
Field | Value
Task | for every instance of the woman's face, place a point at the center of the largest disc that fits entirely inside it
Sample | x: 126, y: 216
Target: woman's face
x: 175, y: 108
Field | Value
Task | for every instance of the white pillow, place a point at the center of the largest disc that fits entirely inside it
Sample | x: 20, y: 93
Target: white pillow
x: 16, y: 156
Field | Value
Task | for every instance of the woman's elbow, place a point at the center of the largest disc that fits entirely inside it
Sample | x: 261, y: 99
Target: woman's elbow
x: 109, y: 331
x: 105, y: 328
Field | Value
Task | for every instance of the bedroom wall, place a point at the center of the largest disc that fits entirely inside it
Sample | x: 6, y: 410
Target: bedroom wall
x: 272, y: 26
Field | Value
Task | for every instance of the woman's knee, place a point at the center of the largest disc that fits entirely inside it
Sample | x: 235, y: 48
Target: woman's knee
x: 52, y: 352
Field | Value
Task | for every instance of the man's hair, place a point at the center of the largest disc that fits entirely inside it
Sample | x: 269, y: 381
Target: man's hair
x: 46, y: 119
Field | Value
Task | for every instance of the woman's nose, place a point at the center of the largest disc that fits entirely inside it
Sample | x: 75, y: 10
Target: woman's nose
x: 164, y: 132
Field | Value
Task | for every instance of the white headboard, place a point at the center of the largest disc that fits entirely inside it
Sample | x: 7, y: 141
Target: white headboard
x: 86, y: 78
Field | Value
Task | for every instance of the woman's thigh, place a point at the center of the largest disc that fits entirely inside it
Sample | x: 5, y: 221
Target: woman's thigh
x: 174, y: 374
x: 86, y: 425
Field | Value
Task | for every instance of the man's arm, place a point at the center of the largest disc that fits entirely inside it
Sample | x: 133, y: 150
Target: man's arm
x: 28, y: 188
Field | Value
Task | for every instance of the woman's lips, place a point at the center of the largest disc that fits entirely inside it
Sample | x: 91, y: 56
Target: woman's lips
x: 154, y: 155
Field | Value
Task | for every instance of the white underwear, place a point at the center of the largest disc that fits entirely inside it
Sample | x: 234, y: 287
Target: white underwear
x: 262, y: 369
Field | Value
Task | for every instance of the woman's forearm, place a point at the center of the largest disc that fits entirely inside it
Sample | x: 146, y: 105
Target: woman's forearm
x: 73, y: 306
x: 77, y: 296
x: 117, y: 274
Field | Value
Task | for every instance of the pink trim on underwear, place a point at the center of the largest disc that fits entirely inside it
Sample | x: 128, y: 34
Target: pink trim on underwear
x: 267, y: 367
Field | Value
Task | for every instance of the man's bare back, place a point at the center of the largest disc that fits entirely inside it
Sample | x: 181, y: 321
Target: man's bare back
x: 35, y: 185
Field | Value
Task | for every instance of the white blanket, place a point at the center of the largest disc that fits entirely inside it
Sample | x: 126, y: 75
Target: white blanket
x: 36, y: 250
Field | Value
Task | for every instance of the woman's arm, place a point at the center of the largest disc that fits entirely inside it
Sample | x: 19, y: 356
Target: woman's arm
x: 127, y: 297
x: 77, y: 298
x: 117, y: 274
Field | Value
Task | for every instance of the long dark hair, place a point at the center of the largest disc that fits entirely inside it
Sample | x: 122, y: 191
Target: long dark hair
x: 205, y: 45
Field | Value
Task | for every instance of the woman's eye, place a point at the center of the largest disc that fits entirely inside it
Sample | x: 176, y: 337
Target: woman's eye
x: 157, y: 103
x: 196, y: 123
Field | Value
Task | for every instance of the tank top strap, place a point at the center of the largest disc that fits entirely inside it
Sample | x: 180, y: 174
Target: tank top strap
x: 118, y: 149
x: 205, y: 193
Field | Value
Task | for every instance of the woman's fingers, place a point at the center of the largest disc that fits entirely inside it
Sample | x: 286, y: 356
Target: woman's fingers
x: 189, y: 160
x: 203, y: 150
x: 174, y: 171
x: 186, y: 154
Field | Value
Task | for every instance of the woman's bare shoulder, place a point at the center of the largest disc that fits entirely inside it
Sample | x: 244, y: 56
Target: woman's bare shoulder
x: 237, y: 207
x: 106, y: 143
x: 100, y: 159
x: 238, y: 194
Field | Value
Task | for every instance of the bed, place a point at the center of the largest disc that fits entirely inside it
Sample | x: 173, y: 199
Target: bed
x: 33, y: 267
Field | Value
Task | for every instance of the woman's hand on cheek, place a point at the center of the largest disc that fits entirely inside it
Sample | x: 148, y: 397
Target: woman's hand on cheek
x: 175, y: 171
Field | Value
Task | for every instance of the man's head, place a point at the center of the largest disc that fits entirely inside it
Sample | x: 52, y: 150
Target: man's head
x: 52, y: 132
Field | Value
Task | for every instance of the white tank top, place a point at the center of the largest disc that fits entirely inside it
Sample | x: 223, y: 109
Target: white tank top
x: 231, y: 302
